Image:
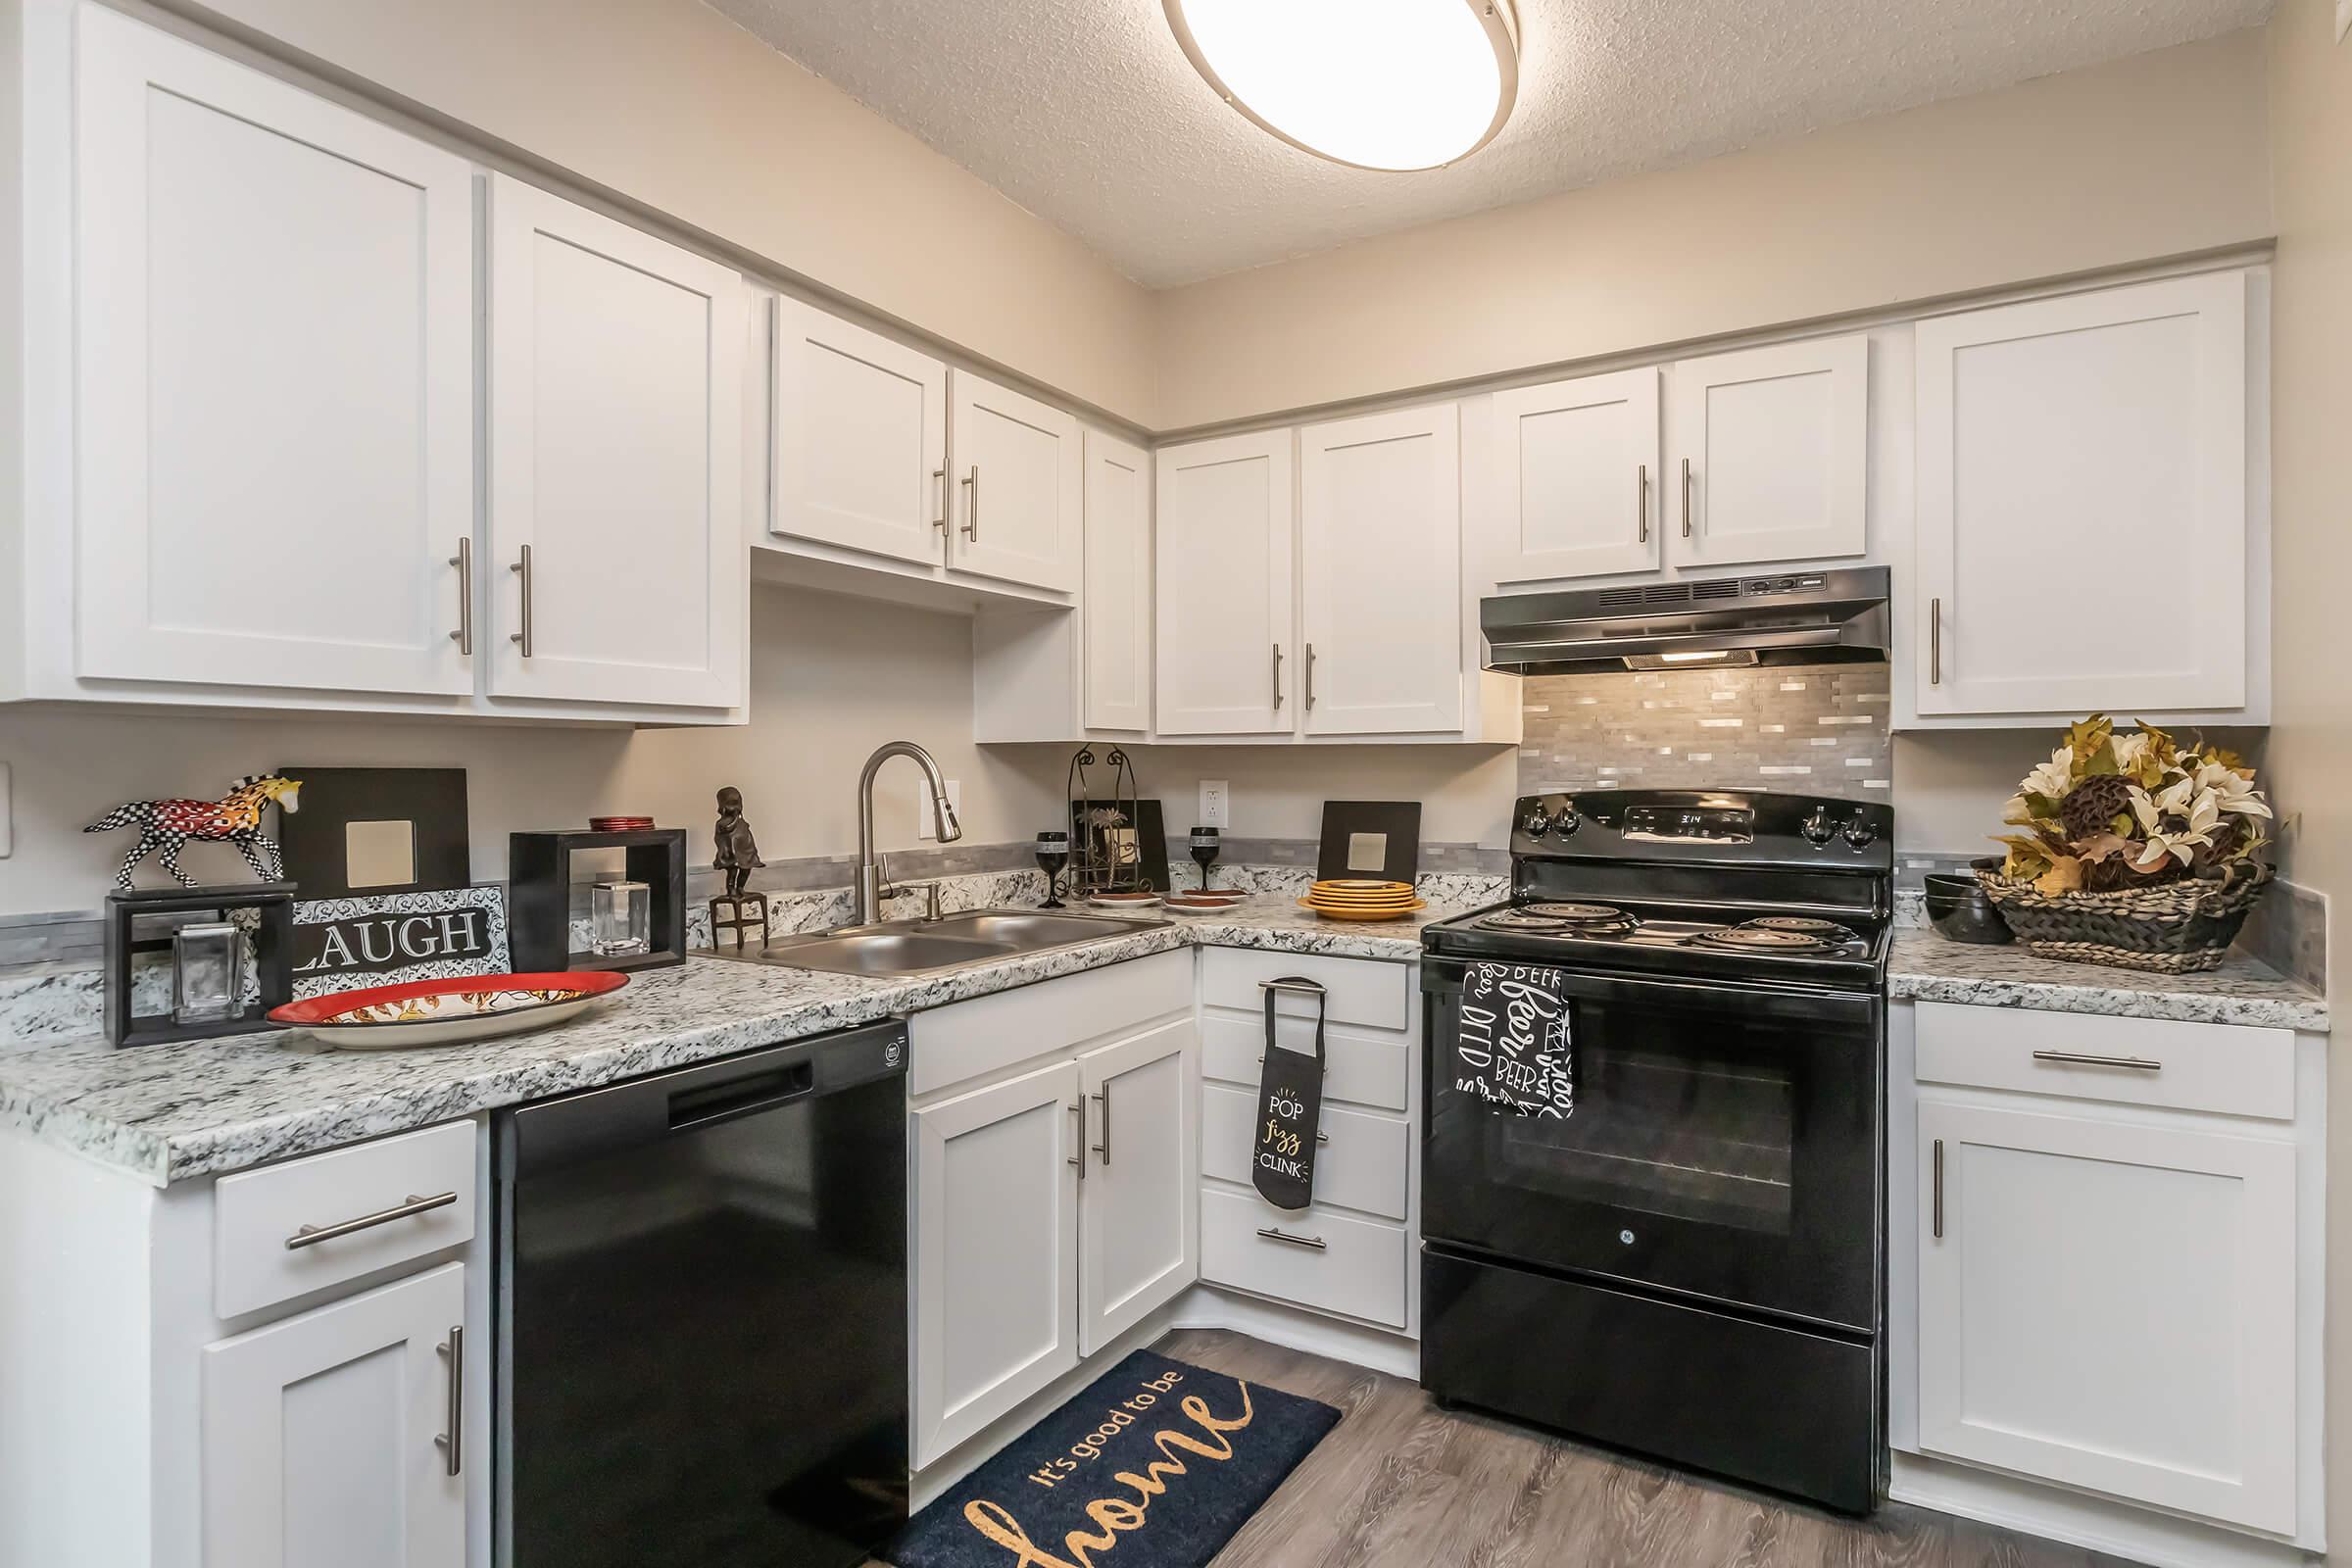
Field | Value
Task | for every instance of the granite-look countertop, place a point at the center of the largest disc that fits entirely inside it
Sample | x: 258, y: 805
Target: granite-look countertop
x: 167, y: 1112
x: 1927, y: 967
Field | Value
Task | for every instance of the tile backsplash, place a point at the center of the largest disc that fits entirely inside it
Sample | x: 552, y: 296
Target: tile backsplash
x: 1813, y: 730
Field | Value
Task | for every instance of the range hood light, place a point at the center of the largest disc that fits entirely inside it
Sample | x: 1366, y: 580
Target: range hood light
x: 1713, y: 658
x: 1383, y: 84
x: 1695, y: 659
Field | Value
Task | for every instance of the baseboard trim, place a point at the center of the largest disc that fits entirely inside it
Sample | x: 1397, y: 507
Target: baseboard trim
x: 2078, y: 1519
x: 1206, y: 1306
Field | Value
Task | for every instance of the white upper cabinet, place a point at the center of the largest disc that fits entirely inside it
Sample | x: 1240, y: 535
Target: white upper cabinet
x: 273, y: 380
x: 2093, y: 440
x: 1576, y: 478
x: 1379, y: 572
x: 1116, y: 606
x: 1767, y: 453
x: 1016, y: 497
x: 1226, y: 649
x: 615, y: 565
x: 861, y: 438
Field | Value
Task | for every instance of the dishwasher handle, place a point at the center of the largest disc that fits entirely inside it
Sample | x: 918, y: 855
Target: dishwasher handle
x: 704, y: 1104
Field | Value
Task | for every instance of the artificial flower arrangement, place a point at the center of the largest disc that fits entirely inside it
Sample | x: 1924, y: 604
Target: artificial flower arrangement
x: 2109, y: 812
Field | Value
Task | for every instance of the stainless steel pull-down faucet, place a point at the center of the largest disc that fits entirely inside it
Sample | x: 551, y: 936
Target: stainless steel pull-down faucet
x: 871, y: 889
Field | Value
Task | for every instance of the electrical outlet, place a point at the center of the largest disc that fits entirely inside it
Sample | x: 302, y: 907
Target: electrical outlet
x: 1214, y: 803
x: 927, y: 818
x: 7, y: 816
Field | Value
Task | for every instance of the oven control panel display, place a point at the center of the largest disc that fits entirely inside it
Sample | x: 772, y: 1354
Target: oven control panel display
x: 1694, y: 825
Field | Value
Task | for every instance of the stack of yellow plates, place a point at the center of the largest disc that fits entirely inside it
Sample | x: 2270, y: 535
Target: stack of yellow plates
x: 1343, y: 899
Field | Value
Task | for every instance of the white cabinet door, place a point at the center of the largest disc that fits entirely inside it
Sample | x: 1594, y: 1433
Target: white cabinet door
x: 1576, y: 465
x: 2099, y: 439
x: 1017, y: 491
x: 2111, y: 1304
x: 1380, y: 530
x: 860, y: 439
x: 616, y: 566
x: 1139, y: 1207
x: 1116, y: 654
x: 1770, y: 453
x: 1225, y: 651
x: 324, y: 1437
x: 273, y: 380
x: 996, y: 1252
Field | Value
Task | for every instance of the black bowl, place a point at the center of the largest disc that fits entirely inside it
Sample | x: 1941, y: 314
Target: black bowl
x: 1960, y: 911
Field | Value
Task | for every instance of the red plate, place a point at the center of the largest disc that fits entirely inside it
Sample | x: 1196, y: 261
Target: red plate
x: 619, y: 824
x: 429, y: 1012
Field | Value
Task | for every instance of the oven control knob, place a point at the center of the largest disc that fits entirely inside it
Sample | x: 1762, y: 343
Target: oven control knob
x: 1816, y: 828
x: 1537, y: 823
x: 1567, y: 821
x: 1859, y: 832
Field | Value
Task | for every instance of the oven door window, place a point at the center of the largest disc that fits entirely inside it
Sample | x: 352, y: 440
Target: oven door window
x: 1724, y: 1143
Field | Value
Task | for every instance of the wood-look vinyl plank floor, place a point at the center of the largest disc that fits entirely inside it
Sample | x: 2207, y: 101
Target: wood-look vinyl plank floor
x: 1401, y: 1484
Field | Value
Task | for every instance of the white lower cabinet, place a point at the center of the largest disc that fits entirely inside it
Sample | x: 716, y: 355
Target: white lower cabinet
x: 2111, y: 1304
x: 327, y: 1436
x: 1139, y: 1206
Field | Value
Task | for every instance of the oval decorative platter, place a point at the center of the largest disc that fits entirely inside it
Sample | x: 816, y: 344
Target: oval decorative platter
x: 446, y: 1012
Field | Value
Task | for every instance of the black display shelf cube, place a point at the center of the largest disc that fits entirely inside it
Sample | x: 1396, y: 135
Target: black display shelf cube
x: 270, y: 943
x: 539, y: 896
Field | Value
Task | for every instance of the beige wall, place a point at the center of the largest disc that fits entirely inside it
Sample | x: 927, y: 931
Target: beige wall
x: 667, y: 104
x: 831, y: 679
x: 2159, y: 154
x: 2311, y: 509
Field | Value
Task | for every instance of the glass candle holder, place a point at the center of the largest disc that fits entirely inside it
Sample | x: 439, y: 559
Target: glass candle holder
x: 208, y: 973
x: 621, y: 917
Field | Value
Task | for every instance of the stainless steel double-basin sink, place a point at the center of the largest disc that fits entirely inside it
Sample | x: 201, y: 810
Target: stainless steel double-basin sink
x: 951, y: 941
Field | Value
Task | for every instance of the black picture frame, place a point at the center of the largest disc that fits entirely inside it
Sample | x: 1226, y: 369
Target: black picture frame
x: 539, y: 898
x: 1398, y: 821
x: 271, y: 945
x: 430, y: 800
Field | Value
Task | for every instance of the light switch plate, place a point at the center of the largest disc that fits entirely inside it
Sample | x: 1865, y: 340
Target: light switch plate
x: 8, y: 813
x: 926, y: 820
x: 1215, y: 803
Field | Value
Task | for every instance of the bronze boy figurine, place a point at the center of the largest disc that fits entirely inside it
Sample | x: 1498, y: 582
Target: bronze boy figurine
x: 736, y: 852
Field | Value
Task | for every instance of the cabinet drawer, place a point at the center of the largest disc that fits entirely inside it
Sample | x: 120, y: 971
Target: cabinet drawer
x: 1365, y: 1162
x: 1359, y: 991
x: 968, y: 1040
x: 1358, y: 1272
x: 1359, y: 1066
x: 2234, y: 1069
x: 257, y: 1213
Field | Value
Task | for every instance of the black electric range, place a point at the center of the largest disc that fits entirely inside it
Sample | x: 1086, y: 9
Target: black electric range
x: 1681, y: 1253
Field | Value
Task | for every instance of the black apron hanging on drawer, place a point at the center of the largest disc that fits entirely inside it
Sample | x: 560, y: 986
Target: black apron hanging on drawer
x: 1289, y: 1108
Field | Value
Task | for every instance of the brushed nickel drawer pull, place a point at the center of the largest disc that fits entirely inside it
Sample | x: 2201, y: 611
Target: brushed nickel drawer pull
x: 1304, y: 988
x: 1079, y: 1158
x: 1642, y: 503
x: 523, y: 568
x: 1316, y: 1243
x: 1940, y: 1189
x: 312, y: 1235
x: 453, y: 1443
x: 2081, y: 1059
x: 1935, y: 642
x: 464, y: 562
x: 1103, y: 1148
x: 1322, y: 1137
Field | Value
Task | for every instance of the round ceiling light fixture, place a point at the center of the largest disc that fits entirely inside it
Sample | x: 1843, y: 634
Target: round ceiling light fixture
x: 1385, y: 85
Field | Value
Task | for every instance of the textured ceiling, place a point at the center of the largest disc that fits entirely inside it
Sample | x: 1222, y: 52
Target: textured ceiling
x: 1086, y: 112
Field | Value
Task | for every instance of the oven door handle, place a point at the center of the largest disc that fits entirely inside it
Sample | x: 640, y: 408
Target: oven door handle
x: 1442, y: 982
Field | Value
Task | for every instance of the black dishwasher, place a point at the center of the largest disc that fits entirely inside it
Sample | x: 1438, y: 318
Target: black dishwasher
x: 702, y: 1313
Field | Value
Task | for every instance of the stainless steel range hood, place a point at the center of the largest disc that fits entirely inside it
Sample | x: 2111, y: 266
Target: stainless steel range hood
x: 1801, y: 617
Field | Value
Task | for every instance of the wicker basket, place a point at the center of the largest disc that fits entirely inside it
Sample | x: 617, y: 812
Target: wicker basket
x: 2171, y: 928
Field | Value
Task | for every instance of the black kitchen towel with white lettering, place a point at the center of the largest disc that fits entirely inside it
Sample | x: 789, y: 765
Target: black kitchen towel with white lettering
x: 1290, y: 1106
x: 1512, y: 1044
x: 1155, y: 1465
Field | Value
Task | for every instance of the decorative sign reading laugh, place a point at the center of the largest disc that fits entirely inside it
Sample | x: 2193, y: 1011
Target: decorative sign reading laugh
x: 344, y: 943
x: 1512, y: 1046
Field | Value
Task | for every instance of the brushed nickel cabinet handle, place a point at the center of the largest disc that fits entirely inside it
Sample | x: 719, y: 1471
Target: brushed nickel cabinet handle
x: 2081, y: 1059
x: 1310, y: 678
x: 453, y: 1443
x: 1322, y: 1137
x: 464, y: 562
x: 312, y: 1235
x: 941, y: 521
x: 1304, y: 988
x: 1642, y: 503
x: 1685, y: 498
x: 1103, y: 1148
x: 1278, y: 676
x: 1079, y: 1158
x: 1935, y: 642
x: 971, y: 504
x: 1938, y: 1200
x: 523, y: 568
x: 1316, y: 1243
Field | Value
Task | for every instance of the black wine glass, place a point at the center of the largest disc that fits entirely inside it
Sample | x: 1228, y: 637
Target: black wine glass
x: 1205, y: 844
x: 1052, y: 853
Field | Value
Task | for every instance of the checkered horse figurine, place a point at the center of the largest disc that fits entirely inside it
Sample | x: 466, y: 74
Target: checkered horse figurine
x: 235, y: 818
